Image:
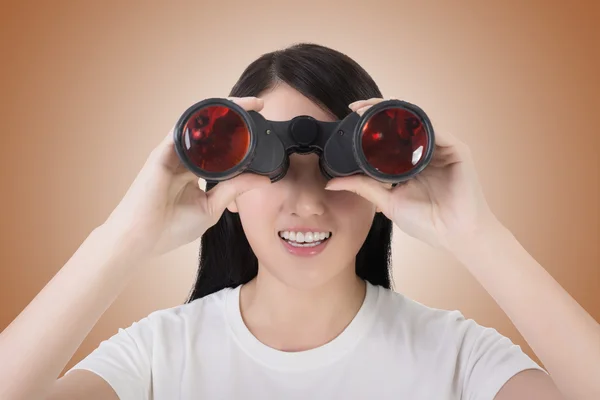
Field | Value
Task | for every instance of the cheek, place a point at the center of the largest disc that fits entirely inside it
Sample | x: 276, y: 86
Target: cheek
x: 354, y: 214
x: 257, y: 210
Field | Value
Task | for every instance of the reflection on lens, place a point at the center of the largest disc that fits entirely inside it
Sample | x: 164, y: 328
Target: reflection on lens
x: 216, y: 138
x: 394, y: 141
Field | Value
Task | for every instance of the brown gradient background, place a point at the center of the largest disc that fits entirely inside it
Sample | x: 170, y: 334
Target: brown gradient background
x: 88, y: 89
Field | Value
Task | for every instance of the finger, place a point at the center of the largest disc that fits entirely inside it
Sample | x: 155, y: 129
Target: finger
x: 183, y: 176
x: 166, y: 141
x: 182, y: 179
x: 446, y: 139
x: 363, y: 186
x: 361, y: 103
x: 249, y: 103
x: 164, y: 153
x: 227, y: 191
x: 169, y: 138
x: 369, y: 102
x: 362, y: 110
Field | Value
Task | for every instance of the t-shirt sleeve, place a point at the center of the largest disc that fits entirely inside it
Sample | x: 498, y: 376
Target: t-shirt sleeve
x: 124, y: 361
x: 488, y: 360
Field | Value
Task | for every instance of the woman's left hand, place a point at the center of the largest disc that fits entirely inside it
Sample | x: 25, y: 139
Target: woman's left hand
x: 443, y: 205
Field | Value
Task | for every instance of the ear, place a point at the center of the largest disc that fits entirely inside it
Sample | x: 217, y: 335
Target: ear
x: 232, y: 207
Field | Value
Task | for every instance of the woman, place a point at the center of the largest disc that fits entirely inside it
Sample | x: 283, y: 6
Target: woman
x: 264, y: 321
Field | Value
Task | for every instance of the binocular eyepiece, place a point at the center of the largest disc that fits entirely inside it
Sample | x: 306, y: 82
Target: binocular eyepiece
x: 391, y: 142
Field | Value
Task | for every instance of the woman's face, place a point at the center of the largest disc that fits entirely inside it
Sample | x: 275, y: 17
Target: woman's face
x: 286, y: 222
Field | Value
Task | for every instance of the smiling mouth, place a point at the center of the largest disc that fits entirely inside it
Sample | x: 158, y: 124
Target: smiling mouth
x: 304, y: 239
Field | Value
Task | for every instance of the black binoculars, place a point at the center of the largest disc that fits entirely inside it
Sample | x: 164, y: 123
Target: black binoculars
x: 391, y: 142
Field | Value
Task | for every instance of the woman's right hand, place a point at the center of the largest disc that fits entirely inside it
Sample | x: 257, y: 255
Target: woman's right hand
x: 165, y: 208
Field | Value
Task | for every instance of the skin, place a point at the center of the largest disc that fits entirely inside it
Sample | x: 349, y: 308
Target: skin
x: 165, y: 209
x: 302, y: 285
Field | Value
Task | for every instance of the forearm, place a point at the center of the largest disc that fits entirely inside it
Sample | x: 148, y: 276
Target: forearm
x: 39, y: 343
x: 560, y: 332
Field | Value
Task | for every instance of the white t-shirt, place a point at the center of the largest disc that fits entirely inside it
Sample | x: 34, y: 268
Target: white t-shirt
x: 395, y: 348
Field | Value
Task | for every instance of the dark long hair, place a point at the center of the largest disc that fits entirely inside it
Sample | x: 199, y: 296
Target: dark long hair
x: 333, y: 81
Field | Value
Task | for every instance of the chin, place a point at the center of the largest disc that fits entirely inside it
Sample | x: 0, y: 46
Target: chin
x: 303, y: 274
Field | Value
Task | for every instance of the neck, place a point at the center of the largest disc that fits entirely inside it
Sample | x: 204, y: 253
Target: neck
x: 291, y: 319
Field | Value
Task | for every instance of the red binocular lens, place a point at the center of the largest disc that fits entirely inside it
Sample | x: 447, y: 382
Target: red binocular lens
x: 393, y: 141
x: 216, y: 138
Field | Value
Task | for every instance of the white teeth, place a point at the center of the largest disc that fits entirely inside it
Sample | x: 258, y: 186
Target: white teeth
x: 304, y: 237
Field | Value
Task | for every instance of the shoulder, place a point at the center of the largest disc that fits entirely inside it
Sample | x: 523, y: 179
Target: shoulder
x: 428, y: 326
x: 449, y: 339
x: 477, y: 359
x: 397, y: 308
x: 189, y: 317
x: 158, y: 346
x: 161, y: 334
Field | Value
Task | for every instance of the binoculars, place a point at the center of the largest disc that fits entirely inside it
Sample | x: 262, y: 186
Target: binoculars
x: 391, y: 142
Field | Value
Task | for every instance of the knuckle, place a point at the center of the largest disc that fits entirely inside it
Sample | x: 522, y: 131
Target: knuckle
x: 464, y: 148
x: 153, y: 156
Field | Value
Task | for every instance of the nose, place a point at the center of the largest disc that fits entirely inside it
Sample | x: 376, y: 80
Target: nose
x: 308, y: 202
x: 306, y: 197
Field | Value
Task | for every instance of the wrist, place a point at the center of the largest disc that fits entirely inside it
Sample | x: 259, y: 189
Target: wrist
x: 479, y: 241
x: 120, y: 244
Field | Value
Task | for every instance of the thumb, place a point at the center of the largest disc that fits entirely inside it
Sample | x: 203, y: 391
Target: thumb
x: 365, y: 187
x: 226, y: 191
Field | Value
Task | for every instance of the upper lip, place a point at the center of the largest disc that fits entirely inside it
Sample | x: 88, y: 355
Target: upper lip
x: 304, y: 229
